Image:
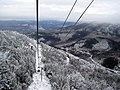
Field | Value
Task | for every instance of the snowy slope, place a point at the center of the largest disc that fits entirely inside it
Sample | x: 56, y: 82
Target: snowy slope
x: 72, y: 73
x: 17, y: 60
x: 69, y: 72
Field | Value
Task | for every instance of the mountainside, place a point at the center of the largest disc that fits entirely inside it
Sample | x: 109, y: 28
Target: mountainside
x: 17, y: 61
x: 64, y: 70
x: 72, y: 73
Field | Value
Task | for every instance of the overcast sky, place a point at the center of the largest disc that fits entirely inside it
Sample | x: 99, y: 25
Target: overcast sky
x: 100, y: 11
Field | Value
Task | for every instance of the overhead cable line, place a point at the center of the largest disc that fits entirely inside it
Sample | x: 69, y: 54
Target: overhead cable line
x: 79, y: 17
x: 37, y: 24
x: 68, y: 16
x: 76, y: 21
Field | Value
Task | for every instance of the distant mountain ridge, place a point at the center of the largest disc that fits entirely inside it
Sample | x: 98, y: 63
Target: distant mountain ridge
x: 30, y: 26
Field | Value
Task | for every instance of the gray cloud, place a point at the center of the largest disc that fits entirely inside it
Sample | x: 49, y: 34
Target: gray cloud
x: 101, y: 10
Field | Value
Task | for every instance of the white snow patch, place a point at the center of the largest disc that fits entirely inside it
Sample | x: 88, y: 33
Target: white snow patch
x: 38, y: 84
x: 68, y: 60
x: 102, y: 45
x: 3, y: 55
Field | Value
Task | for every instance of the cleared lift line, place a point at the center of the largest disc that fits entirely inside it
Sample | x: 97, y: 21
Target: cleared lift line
x: 38, y: 69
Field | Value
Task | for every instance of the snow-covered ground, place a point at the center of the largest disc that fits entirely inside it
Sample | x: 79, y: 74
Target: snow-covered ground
x: 37, y: 83
x: 68, y: 60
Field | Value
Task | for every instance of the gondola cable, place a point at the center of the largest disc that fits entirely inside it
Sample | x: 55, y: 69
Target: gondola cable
x: 37, y: 25
x: 37, y: 28
x: 79, y: 18
x: 68, y: 16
